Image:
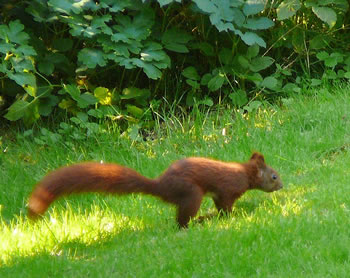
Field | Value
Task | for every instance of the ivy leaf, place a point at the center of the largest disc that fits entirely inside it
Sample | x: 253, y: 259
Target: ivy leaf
x: 251, y: 38
x: 175, y: 40
x: 239, y: 98
x: 191, y: 73
x: 91, y: 57
x: 17, y: 110
x: 269, y: 82
x: 259, y: 23
x: 253, y: 7
x: 260, y: 63
x: 216, y: 82
x: 326, y: 14
x: 287, y: 9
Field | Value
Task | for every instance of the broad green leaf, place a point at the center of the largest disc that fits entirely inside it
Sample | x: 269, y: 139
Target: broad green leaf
x: 323, y: 55
x: 99, y: 23
x: 253, y: 106
x: 206, y: 78
x: 315, y: 82
x: 216, y: 82
x: 175, y: 40
x: 46, y: 67
x: 136, y: 29
x: 66, y: 6
x: 260, y: 23
x: 243, y: 61
x: 63, y: 44
x: 86, y: 100
x: 269, y: 82
x: 25, y: 50
x: 17, y: 110
x: 206, y: 6
x: 253, y: 51
x: 239, y: 98
x: 347, y: 75
x: 287, y: 9
x: 251, y: 38
x: 46, y: 105
x: 238, y: 17
x: 91, y: 57
x: 191, y: 73
x: 318, y: 42
x: 331, y: 62
x: 164, y: 2
x: 72, y: 90
x: 116, y: 6
x: 253, y: 7
x: 103, y: 95
x: 193, y: 83
x: 132, y: 93
x: 206, y: 48
x: 83, y: 117
x: 260, y: 63
x: 83, y: 100
x: 96, y: 113
x: 134, y: 110
x: 5, y: 47
x: 23, y: 79
x: 153, y: 52
x: 290, y: 88
x: 326, y: 14
x: 207, y: 101
x: 15, y: 33
x: 330, y: 74
x: 226, y: 56
x: 150, y: 70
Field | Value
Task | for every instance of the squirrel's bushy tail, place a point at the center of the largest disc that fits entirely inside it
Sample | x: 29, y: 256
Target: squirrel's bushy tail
x: 86, y: 177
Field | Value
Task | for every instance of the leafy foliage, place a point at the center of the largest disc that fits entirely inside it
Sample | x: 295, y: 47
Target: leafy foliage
x: 115, y: 59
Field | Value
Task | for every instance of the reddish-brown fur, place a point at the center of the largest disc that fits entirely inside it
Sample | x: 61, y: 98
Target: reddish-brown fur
x: 183, y: 184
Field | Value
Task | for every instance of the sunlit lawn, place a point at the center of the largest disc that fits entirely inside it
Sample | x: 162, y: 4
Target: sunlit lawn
x: 302, y: 230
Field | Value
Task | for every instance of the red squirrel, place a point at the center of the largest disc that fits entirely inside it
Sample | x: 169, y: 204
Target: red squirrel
x: 183, y: 184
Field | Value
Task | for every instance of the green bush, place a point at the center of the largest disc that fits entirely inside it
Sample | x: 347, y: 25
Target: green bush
x: 119, y: 59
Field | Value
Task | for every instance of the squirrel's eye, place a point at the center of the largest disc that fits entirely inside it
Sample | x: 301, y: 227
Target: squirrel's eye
x: 274, y: 177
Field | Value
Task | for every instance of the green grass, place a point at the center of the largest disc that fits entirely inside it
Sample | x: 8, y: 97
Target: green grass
x: 302, y: 230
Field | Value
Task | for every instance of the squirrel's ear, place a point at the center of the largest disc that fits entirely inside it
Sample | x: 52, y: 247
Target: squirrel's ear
x: 259, y: 159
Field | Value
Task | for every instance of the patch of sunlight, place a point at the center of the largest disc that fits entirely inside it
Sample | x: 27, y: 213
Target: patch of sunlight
x: 23, y: 238
x: 292, y: 201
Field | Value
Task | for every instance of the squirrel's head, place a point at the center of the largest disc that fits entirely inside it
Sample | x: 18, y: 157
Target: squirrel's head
x: 268, y: 179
